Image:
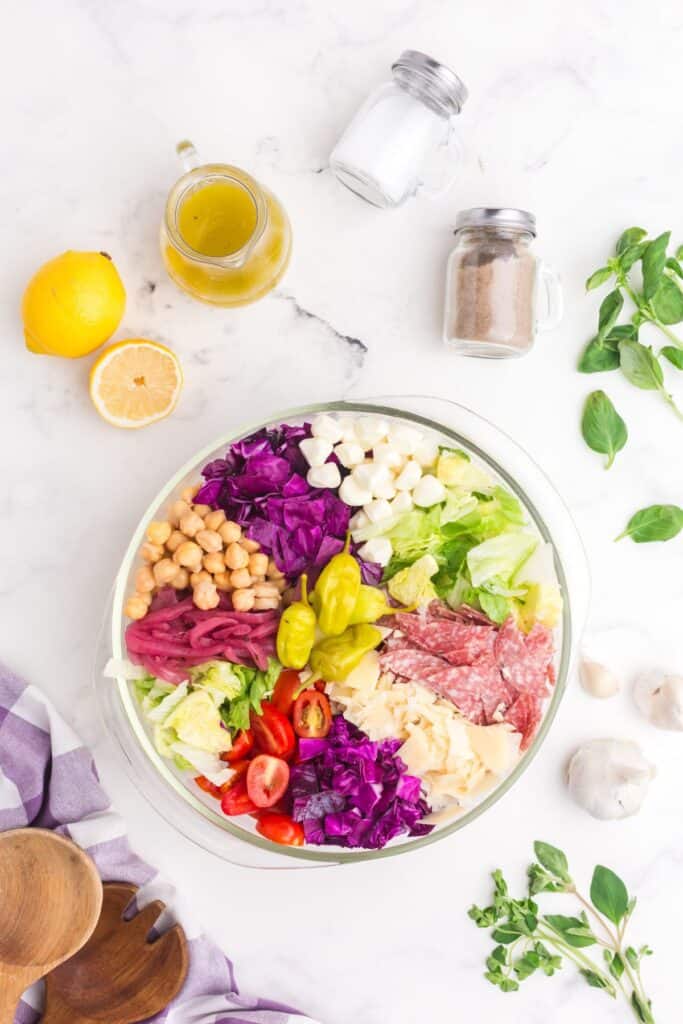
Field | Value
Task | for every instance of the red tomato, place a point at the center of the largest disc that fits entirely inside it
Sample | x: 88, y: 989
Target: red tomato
x: 208, y: 787
x: 267, y: 780
x: 243, y: 743
x: 319, y: 684
x: 312, y: 714
x: 273, y: 733
x: 236, y: 799
x: 286, y: 690
x: 280, y: 828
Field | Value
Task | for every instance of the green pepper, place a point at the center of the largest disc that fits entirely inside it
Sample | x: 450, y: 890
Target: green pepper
x: 371, y: 605
x: 335, y: 657
x: 296, y: 631
x: 337, y: 591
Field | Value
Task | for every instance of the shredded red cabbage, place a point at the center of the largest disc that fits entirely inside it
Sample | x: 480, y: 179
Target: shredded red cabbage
x: 175, y: 635
x: 350, y: 791
x: 261, y: 484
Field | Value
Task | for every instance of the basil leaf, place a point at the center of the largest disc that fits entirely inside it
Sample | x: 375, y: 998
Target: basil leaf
x: 639, y: 365
x: 631, y: 255
x: 598, y: 277
x: 674, y: 355
x: 610, y: 308
x: 597, y: 356
x: 507, y: 933
x: 667, y: 302
x: 553, y: 860
x: 629, y: 237
x: 602, y: 427
x: 656, y: 522
x: 573, y: 930
x: 654, y: 259
x: 673, y: 264
x: 608, y: 894
x: 594, y: 980
x: 616, y: 967
x: 622, y: 332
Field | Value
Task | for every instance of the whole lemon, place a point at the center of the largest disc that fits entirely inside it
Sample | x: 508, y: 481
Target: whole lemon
x: 72, y: 305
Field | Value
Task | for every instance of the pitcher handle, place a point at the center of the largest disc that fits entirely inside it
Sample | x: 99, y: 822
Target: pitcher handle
x: 188, y: 155
x: 549, y: 279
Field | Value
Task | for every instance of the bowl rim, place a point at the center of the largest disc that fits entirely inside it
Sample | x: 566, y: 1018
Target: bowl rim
x: 335, y: 855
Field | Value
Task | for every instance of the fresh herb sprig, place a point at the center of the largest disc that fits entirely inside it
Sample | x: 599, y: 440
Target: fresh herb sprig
x: 659, y: 301
x: 527, y: 942
x: 656, y: 522
x: 602, y: 427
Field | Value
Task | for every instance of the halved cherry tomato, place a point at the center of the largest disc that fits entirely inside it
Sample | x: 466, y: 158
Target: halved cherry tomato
x: 273, y: 733
x: 267, y: 780
x: 286, y: 691
x: 312, y: 715
x: 320, y: 684
x: 280, y: 828
x: 244, y: 741
x: 209, y: 787
x: 235, y: 799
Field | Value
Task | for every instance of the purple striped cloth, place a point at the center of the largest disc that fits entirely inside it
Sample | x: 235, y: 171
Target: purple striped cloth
x: 48, y: 779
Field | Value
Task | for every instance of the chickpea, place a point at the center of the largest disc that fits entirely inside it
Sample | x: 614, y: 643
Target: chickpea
x: 205, y: 595
x: 176, y: 511
x: 250, y: 545
x: 280, y: 585
x: 201, y: 510
x: 236, y: 557
x: 146, y: 597
x: 151, y: 552
x: 189, y: 555
x: 213, y: 562
x: 222, y: 580
x: 209, y: 540
x: 188, y: 493
x: 200, y: 577
x: 191, y: 524
x: 135, y: 607
x: 273, y: 572
x: 266, y: 604
x: 243, y: 600
x: 144, y: 580
x: 266, y: 590
x: 175, y: 540
x: 213, y: 520
x: 164, y: 571
x: 240, y: 579
x: 258, y: 564
x: 230, y: 532
x: 158, y: 533
x: 181, y: 580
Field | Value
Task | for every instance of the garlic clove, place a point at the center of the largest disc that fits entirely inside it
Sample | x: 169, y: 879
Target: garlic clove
x: 609, y: 778
x: 597, y: 679
x: 659, y: 698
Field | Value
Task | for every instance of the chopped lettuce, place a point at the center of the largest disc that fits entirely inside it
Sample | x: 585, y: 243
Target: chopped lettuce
x: 542, y: 603
x: 456, y: 469
x: 159, y: 710
x: 201, y: 761
x: 256, y: 687
x: 197, y: 722
x: 499, y: 557
x: 219, y: 677
x: 413, y: 585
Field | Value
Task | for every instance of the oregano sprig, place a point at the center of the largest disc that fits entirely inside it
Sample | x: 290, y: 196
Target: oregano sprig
x: 528, y: 941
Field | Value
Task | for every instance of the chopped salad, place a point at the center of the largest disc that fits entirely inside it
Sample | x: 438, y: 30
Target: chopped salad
x: 346, y: 631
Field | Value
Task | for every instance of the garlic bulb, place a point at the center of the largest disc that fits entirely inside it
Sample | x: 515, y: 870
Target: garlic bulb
x: 659, y: 698
x: 598, y: 680
x: 609, y: 778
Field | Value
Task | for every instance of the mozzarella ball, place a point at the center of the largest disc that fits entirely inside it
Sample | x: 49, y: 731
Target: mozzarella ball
x: 404, y: 438
x: 327, y: 428
x: 426, y: 453
x: 408, y: 477
x: 324, y: 476
x: 429, y: 491
x: 377, y: 510
x: 352, y: 493
x: 401, y: 503
x: 358, y: 520
x: 385, y: 454
x: 316, y: 450
x: 371, y: 430
x: 378, y: 549
x: 350, y: 454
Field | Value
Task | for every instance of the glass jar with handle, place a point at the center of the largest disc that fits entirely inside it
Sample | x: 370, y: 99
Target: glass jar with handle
x: 225, y: 239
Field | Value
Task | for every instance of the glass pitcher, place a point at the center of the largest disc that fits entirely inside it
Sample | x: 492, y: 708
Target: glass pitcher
x: 225, y: 239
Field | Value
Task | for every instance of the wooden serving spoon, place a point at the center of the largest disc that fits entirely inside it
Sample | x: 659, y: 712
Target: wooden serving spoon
x: 119, y: 976
x: 50, y: 900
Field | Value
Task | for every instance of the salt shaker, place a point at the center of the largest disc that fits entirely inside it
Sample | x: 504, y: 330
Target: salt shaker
x: 404, y: 135
x: 495, y: 285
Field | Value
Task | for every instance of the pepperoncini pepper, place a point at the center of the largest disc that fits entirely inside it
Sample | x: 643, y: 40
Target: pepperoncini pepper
x: 337, y: 590
x: 296, y: 631
x: 371, y: 604
x: 335, y: 657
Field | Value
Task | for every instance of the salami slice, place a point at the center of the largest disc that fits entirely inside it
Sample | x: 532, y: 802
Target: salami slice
x: 458, y: 643
x: 524, y: 716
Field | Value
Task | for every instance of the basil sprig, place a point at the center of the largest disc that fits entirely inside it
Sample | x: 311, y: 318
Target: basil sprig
x: 527, y: 942
x: 656, y: 522
x: 602, y: 427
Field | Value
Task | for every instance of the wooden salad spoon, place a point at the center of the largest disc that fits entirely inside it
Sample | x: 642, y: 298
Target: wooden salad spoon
x: 50, y: 901
x: 119, y: 976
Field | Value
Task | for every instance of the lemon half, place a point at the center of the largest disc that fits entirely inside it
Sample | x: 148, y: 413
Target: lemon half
x: 136, y: 382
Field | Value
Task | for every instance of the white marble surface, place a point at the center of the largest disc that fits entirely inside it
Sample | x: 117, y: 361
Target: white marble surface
x: 575, y: 114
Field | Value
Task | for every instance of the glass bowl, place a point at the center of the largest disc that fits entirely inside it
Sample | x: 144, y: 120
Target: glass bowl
x: 172, y: 792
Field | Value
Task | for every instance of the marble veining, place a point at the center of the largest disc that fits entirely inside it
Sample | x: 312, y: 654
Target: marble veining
x: 574, y: 113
